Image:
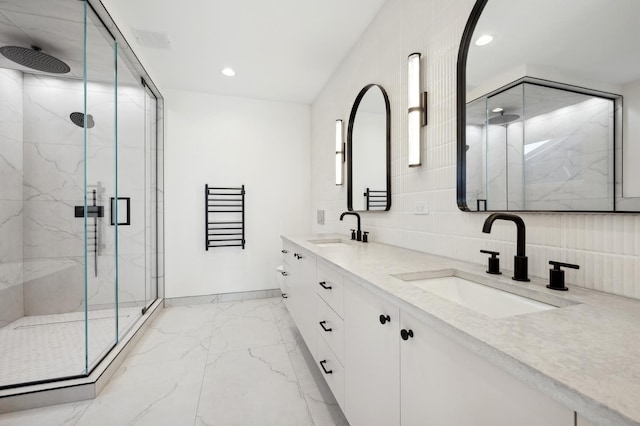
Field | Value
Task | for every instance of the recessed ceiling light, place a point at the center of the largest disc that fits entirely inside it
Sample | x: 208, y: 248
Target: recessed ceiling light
x: 485, y: 39
x: 228, y: 72
x: 497, y: 109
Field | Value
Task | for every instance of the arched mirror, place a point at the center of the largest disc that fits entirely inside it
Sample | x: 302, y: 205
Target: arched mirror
x: 549, y: 106
x: 368, y: 149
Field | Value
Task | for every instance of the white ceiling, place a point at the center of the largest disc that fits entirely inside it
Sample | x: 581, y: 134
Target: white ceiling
x: 280, y: 49
x: 591, y: 41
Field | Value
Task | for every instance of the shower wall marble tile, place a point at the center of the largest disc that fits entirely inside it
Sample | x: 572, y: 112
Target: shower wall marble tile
x: 11, y: 210
x: 54, y: 170
x: 606, y: 246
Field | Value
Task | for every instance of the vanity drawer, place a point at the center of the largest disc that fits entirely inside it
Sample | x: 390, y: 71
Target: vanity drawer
x: 331, y: 369
x: 330, y: 287
x: 331, y: 327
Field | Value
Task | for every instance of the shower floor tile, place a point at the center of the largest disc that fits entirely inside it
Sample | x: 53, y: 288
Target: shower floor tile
x: 44, y: 347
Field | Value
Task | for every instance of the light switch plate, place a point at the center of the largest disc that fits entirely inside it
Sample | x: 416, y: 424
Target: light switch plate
x: 320, y: 217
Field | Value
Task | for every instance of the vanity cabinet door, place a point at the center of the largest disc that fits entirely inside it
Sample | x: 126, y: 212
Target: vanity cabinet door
x: 443, y: 383
x: 372, y: 359
x: 581, y: 421
x: 301, y: 282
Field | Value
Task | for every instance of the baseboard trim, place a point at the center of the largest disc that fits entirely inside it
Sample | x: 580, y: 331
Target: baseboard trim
x: 221, y: 298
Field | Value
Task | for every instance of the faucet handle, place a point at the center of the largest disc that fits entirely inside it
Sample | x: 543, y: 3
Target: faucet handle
x: 556, y: 275
x: 365, y: 236
x: 493, y: 262
x: 353, y: 234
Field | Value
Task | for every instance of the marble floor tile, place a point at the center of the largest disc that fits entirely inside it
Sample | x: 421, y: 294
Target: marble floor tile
x: 150, y: 394
x: 244, y: 324
x: 256, y: 371
x: 178, y: 333
x: 322, y: 405
x: 255, y: 386
x: 288, y: 329
x: 57, y: 415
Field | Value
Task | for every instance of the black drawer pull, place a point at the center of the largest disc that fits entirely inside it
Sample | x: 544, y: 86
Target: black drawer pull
x: 324, y: 285
x: 385, y: 319
x: 284, y: 273
x: 284, y: 296
x: 322, y: 363
x: 322, y: 323
x: 285, y: 251
x: 405, y: 334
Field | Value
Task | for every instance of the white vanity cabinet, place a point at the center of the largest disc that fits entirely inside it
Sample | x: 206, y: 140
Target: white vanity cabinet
x: 299, y: 283
x: 372, y: 359
x: 581, y: 421
x: 386, y: 367
x: 443, y: 383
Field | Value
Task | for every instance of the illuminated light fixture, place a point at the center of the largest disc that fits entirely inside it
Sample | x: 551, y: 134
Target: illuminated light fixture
x: 417, y: 110
x: 484, y: 40
x: 339, y: 151
x: 228, y: 72
x: 497, y: 109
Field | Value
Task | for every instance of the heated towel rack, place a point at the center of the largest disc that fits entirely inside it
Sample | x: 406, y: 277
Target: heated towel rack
x: 224, y: 213
x: 375, y: 200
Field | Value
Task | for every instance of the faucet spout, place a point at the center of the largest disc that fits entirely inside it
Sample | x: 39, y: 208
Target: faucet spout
x: 359, y: 234
x: 520, y: 262
x: 521, y: 236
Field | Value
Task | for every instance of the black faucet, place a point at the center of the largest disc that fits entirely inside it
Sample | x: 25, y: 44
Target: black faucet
x: 520, y: 262
x: 359, y: 233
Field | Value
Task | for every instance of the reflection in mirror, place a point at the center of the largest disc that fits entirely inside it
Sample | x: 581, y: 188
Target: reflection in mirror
x: 541, y: 122
x: 368, y: 142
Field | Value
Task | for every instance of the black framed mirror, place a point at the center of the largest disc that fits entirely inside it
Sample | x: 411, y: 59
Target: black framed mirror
x: 369, y: 151
x: 548, y: 115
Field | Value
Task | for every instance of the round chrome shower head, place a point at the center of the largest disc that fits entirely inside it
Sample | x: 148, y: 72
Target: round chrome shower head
x: 35, y: 59
x: 78, y: 119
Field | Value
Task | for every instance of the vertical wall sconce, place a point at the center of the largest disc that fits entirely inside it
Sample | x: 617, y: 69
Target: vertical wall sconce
x: 339, y: 152
x: 417, y: 110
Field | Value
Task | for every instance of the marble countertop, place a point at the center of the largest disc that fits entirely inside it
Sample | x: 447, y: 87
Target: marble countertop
x: 585, y: 354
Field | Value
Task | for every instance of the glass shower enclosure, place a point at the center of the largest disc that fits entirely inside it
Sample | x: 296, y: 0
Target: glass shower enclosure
x: 80, y: 190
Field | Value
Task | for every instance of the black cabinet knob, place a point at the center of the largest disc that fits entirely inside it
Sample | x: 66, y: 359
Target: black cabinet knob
x: 298, y: 256
x: 284, y: 273
x: 285, y: 251
x: 324, y: 285
x: 385, y: 319
x: 322, y: 323
x: 284, y: 296
x: 322, y: 363
x: 405, y: 334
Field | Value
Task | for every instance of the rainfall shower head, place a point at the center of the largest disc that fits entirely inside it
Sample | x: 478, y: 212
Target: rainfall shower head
x: 78, y: 119
x: 503, y: 118
x: 35, y: 59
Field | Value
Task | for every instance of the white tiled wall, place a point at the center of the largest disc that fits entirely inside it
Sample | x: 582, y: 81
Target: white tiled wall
x: 606, y: 246
x: 11, y: 209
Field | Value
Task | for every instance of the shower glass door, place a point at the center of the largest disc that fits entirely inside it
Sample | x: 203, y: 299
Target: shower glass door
x: 100, y: 187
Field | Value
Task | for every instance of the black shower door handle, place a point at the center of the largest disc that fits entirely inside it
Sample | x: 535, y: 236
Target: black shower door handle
x: 128, y: 210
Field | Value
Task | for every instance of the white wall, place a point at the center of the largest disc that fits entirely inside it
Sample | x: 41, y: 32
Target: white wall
x: 230, y: 141
x: 606, y: 246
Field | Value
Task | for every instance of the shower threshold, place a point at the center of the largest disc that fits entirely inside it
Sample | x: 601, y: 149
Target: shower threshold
x: 43, y: 359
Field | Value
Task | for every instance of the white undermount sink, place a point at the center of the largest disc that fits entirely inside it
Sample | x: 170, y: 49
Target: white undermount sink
x: 329, y: 242
x: 487, y: 300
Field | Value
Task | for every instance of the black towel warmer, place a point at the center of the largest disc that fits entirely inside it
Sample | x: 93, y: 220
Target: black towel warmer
x: 224, y: 217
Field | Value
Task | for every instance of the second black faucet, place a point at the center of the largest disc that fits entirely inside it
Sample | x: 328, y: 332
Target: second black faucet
x: 358, y: 236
